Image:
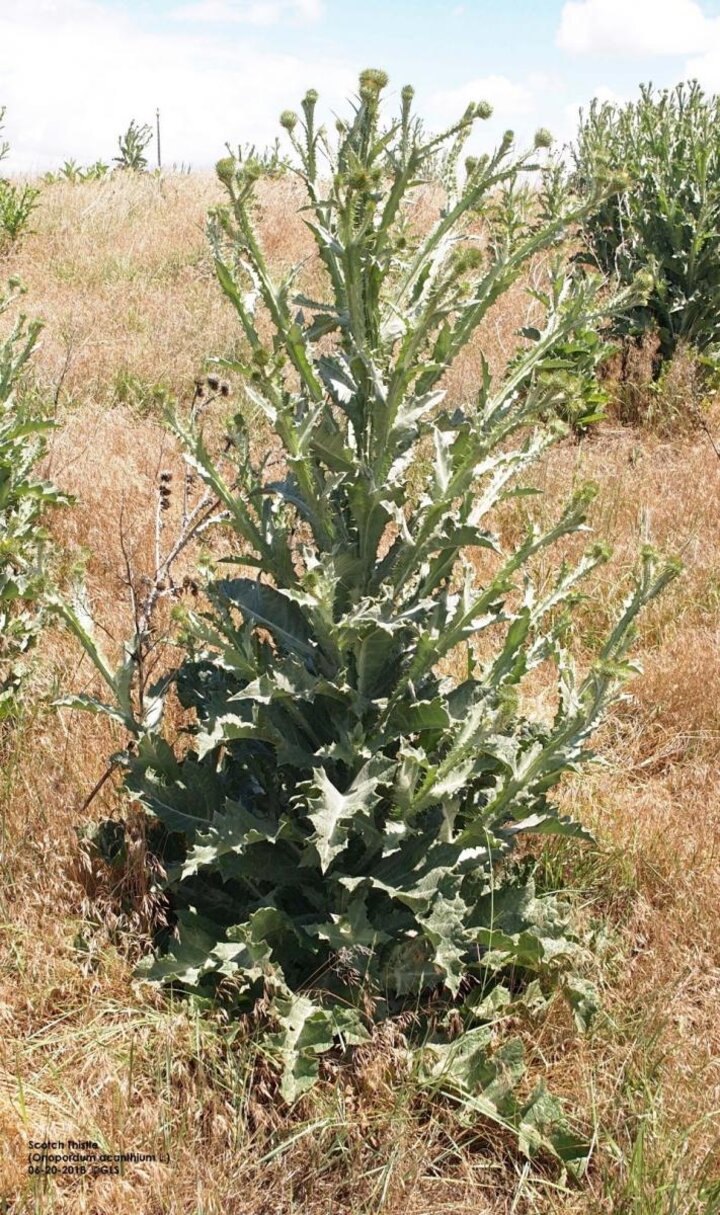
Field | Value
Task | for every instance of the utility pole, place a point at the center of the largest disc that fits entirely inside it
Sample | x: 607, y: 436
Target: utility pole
x: 157, y: 123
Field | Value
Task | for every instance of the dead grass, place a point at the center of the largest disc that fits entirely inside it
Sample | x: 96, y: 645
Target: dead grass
x: 120, y: 272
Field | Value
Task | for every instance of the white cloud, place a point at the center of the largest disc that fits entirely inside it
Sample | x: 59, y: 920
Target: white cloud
x: 706, y: 67
x: 545, y: 82
x: 309, y: 10
x: 568, y: 126
x: 645, y: 27
x: 507, y: 97
x: 604, y: 93
x: 74, y: 72
x: 515, y: 105
x: 250, y: 12
x: 634, y: 27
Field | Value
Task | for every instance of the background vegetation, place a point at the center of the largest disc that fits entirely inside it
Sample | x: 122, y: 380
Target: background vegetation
x: 23, y: 500
x: 662, y: 215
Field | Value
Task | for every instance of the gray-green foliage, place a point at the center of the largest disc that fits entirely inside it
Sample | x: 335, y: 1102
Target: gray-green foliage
x: 132, y: 147
x: 76, y: 174
x: 341, y: 817
x: 270, y: 161
x: 17, y: 203
x: 23, y: 500
x: 664, y: 217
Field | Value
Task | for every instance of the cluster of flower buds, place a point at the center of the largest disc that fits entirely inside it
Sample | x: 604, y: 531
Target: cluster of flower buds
x: 214, y: 383
x: 165, y: 479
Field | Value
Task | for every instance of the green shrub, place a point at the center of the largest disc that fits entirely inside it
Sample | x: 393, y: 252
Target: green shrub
x: 147, y: 397
x: 270, y: 160
x: 132, y: 147
x: 74, y: 173
x: 341, y: 817
x: 23, y: 500
x: 664, y: 217
x: 16, y: 203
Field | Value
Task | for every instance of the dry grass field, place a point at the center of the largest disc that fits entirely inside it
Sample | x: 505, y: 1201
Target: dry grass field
x: 121, y: 274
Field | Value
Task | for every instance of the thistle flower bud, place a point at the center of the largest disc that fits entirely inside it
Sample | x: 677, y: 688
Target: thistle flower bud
x: 225, y: 169
x: 600, y: 551
x: 373, y: 80
x: 252, y: 170
x: 288, y: 120
x: 543, y: 138
x: 311, y: 97
x: 407, y: 93
x: 468, y: 259
x: 643, y: 282
x: 483, y: 109
x: 359, y: 180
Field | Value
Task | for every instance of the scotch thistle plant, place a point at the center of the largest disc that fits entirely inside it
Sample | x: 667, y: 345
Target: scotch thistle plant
x: 17, y: 202
x: 663, y: 215
x: 341, y: 815
x: 24, y: 498
x: 132, y: 147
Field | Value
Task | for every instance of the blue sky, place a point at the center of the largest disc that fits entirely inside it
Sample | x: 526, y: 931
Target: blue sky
x: 74, y: 72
